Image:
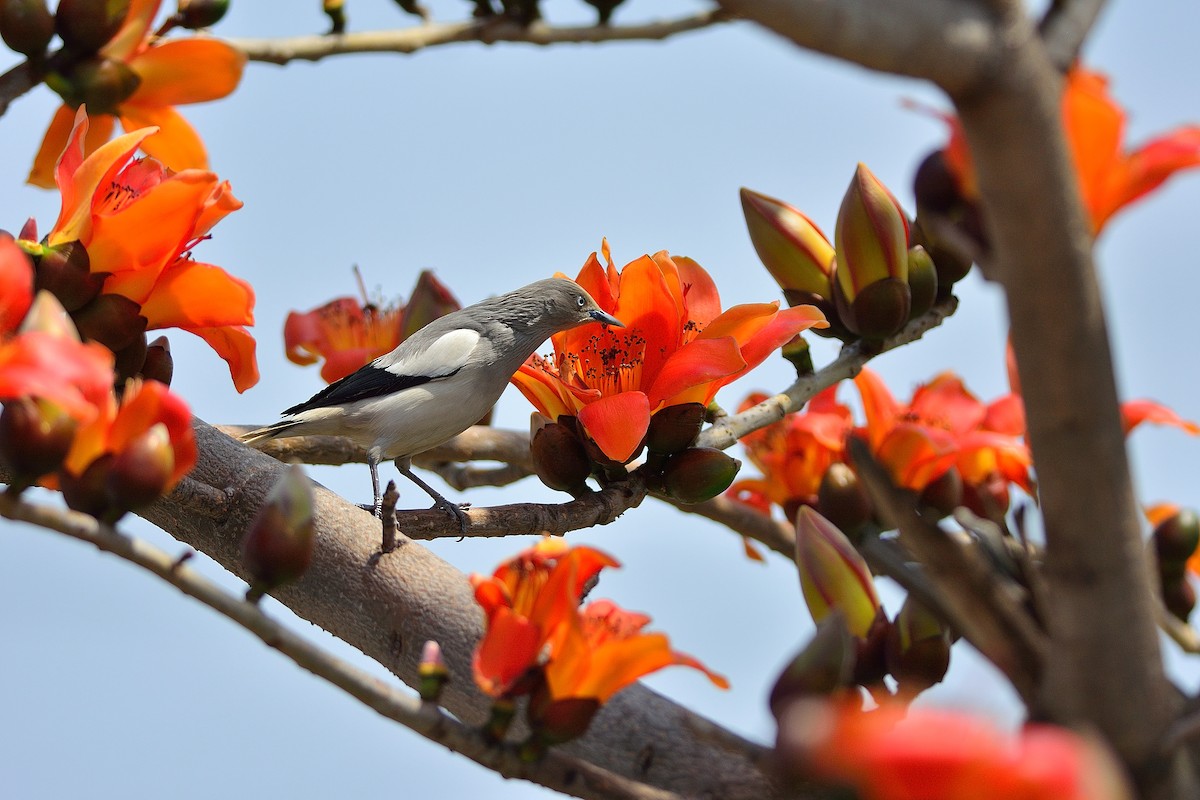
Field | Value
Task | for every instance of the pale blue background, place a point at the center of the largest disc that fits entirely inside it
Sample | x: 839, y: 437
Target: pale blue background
x: 497, y: 166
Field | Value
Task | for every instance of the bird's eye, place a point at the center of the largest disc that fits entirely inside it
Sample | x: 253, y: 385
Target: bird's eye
x: 579, y: 301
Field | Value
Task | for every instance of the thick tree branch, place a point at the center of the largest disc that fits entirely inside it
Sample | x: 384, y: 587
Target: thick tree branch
x: 949, y: 42
x: 410, y: 40
x: 555, y: 771
x: 1065, y: 26
x: 388, y: 605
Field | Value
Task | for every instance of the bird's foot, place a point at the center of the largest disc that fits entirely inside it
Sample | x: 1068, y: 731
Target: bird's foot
x: 456, y: 510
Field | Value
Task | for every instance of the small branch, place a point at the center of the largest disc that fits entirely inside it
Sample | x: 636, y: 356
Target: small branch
x: 388, y: 513
x: 598, y: 508
x: 556, y: 771
x: 1064, y: 28
x: 469, y: 476
x: 850, y: 361
x: 410, y: 40
x: 741, y: 518
x: 16, y: 82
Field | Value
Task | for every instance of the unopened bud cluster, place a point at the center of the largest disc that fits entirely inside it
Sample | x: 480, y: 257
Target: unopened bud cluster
x: 875, y: 276
x: 1175, y: 539
x: 564, y: 457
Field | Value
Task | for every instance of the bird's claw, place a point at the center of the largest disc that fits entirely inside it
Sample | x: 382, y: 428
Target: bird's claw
x: 456, y: 510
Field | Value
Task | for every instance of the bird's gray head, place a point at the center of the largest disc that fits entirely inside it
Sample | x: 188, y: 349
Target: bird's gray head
x: 563, y: 304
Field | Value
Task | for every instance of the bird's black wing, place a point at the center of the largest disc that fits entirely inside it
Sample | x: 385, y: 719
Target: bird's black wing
x: 368, y: 382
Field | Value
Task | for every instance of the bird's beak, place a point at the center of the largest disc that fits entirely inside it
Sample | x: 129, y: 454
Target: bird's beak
x: 606, y: 319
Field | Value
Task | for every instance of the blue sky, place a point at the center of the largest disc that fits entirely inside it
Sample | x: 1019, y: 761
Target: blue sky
x: 496, y: 166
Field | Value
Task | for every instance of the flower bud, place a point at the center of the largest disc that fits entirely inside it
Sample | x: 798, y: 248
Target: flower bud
x: 871, y: 236
x: 870, y: 662
x: 1175, y: 540
x: 86, y: 25
x: 46, y: 315
x: 989, y: 499
x: 675, y: 428
x: 35, y: 436
x: 158, y: 364
x: 336, y: 11
x: 142, y: 470
x: 430, y: 299
x: 798, y: 353
x: 833, y: 575
x: 129, y: 360
x: 1179, y: 596
x: 918, y: 648
x: 432, y: 673
x: 699, y: 474
x: 559, y: 458
x: 944, y: 493
x: 825, y: 665
x: 922, y: 281
x: 790, y: 246
x: 951, y: 267
x: 557, y: 721
x: 101, y: 84
x: 86, y: 492
x: 112, y: 320
x: 278, y: 546
x: 26, y: 26
x: 196, y: 14
x: 841, y: 499
x: 65, y: 272
x: 879, y: 310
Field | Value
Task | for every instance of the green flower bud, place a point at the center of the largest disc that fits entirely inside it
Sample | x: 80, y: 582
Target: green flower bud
x: 699, y: 474
x: 823, y: 667
x: 789, y: 244
x: 432, y: 672
x: 833, y: 576
x: 922, y: 281
x: 101, y: 84
x: 26, y: 26
x: 87, y: 25
x: 277, y: 548
x: 918, y: 648
x: 871, y: 236
x: 880, y: 309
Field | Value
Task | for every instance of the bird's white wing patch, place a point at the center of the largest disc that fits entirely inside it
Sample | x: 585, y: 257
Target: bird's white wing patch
x: 447, y: 355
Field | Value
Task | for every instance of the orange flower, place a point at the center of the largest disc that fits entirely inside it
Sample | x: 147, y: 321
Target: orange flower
x: 16, y: 285
x: 348, y: 335
x: 943, y: 426
x: 143, y: 406
x: 886, y: 754
x: 170, y: 73
x: 1110, y: 177
x: 677, y: 347
x: 138, y: 222
x: 526, y: 600
x: 602, y: 650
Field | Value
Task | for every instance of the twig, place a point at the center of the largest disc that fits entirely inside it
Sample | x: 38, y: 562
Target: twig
x: 741, y: 518
x: 469, y: 476
x: 388, y: 513
x: 556, y: 771
x: 598, y: 508
x: 410, y: 40
x: 16, y: 82
x: 849, y: 362
x: 1065, y: 26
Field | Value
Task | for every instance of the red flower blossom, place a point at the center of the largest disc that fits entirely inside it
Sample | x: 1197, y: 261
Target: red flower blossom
x: 677, y: 347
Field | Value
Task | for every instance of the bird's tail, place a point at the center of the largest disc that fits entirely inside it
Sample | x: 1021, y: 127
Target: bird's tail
x: 269, y: 432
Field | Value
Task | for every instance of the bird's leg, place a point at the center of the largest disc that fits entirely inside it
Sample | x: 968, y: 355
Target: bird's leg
x: 454, y: 509
x: 373, y: 463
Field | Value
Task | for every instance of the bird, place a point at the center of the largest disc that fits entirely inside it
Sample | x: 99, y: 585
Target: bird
x: 439, y: 381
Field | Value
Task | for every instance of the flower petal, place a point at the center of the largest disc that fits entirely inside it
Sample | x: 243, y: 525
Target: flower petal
x: 134, y: 29
x: 1145, y: 170
x: 177, y: 145
x: 617, y: 424
x: 16, y: 286
x: 880, y: 407
x: 694, y: 366
x: 54, y: 144
x: 508, y: 649
x: 146, y: 404
x: 194, y: 295
x: 544, y: 390
x: 180, y: 71
x: 236, y: 346
x: 1137, y: 412
x: 647, y: 307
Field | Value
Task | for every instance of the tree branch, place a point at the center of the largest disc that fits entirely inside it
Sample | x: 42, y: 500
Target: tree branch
x: 389, y: 605
x: 741, y: 518
x: 1064, y: 28
x: 555, y: 771
x: 949, y: 42
x: 487, y: 31
x: 727, y: 430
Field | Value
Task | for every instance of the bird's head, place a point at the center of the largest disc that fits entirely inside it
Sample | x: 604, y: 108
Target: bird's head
x: 569, y: 305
